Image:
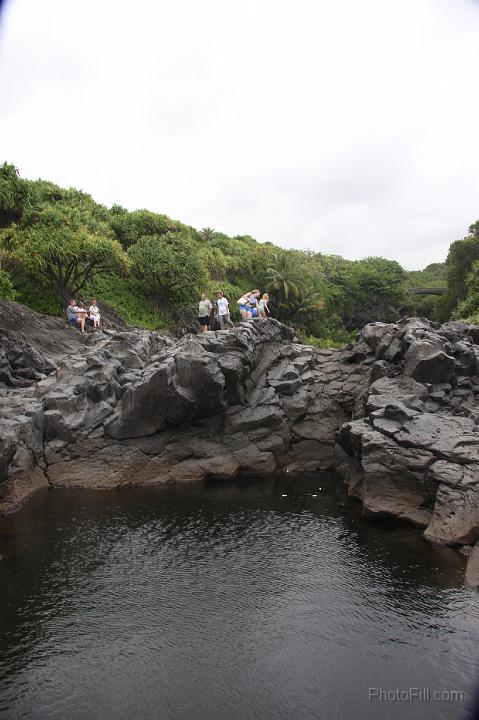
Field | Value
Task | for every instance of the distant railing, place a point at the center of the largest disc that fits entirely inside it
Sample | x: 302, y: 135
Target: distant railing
x: 428, y: 291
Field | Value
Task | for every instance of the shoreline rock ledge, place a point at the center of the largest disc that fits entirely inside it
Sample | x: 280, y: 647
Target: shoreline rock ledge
x: 396, y: 414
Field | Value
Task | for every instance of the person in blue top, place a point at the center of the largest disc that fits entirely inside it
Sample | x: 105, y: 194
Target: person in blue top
x: 75, y: 315
x: 253, y: 303
x: 248, y: 305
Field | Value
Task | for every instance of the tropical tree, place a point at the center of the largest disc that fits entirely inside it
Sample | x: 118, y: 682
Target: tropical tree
x: 214, y: 261
x: 129, y: 227
x: 66, y: 259
x: 208, y: 233
x: 168, y: 269
x: 6, y: 246
x: 62, y: 240
x: 469, y: 308
x: 461, y: 256
x: 14, y: 195
x: 303, y: 307
x: 283, y: 279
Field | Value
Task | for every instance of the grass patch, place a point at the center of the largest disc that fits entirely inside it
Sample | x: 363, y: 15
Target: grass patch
x: 126, y: 298
x: 323, y: 343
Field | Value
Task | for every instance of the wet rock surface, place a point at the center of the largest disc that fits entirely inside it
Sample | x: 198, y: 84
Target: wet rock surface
x: 396, y: 414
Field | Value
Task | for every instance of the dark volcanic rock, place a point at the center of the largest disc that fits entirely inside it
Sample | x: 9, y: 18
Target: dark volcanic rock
x: 396, y: 414
x: 416, y: 453
x: 427, y: 362
x: 472, y: 570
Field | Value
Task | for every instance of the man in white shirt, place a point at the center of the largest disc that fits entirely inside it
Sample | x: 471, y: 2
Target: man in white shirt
x: 222, y: 304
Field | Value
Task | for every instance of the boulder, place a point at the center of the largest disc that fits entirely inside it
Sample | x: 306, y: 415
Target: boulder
x: 284, y: 378
x: 246, y: 419
x: 296, y: 406
x: 455, y: 519
x: 374, y: 333
x: 466, y: 359
x: 253, y: 461
x: 392, y: 478
x: 426, y: 361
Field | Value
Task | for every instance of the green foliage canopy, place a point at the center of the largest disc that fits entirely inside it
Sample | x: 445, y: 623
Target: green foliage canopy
x: 64, y: 241
x: 462, y: 254
x: 57, y: 242
x: 168, y: 267
x: 14, y: 195
x: 7, y: 291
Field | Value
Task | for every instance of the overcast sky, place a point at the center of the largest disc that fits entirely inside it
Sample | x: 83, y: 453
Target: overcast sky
x: 341, y: 126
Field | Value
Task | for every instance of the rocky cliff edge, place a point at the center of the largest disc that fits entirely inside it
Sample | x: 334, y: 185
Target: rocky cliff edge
x: 396, y: 414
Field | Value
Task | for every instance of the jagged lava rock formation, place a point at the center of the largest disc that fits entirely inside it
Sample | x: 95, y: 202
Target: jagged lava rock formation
x: 396, y: 414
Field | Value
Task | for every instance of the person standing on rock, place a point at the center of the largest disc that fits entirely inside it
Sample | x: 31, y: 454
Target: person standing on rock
x: 244, y: 306
x: 264, y: 306
x: 253, y: 304
x: 204, y: 312
x: 224, y: 317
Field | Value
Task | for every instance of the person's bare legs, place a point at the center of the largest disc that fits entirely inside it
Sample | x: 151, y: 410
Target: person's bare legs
x: 81, y: 322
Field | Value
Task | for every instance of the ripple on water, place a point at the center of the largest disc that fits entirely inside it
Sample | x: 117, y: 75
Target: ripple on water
x: 224, y: 601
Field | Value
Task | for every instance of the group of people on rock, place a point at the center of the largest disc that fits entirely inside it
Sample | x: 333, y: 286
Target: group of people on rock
x: 78, y: 314
x: 251, y: 305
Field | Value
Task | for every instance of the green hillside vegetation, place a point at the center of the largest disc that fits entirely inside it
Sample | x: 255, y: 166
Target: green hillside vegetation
x: 463, y: 276
x: 433, y: 275
x: 430, y: 306
x: 57, y: 243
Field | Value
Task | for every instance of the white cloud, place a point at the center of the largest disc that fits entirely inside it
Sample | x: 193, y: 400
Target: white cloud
x: 343, y: 127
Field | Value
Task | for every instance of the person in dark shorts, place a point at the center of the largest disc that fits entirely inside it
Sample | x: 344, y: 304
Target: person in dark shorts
x: 76, y: 315
x: 204, y: 312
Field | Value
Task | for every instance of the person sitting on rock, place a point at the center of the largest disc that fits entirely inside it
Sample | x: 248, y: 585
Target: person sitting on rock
x: 204, y: 311
x: 264, y: 306
x: 94, y: 314
x: 224, y: 317
x: 76, y: 315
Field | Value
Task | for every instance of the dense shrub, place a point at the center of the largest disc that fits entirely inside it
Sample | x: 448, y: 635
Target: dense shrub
x: 7, y: 290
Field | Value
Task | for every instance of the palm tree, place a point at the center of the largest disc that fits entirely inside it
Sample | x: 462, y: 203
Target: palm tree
x: 303, y: 307
x: 284, y: 279
x: 208, y: 233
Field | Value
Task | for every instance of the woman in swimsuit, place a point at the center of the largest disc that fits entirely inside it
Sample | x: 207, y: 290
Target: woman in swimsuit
x: 263, y: 306
x: 244, y: 306
x: 253, y: 304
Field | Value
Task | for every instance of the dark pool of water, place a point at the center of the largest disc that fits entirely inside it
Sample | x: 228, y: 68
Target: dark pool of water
x: 224, y: 602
